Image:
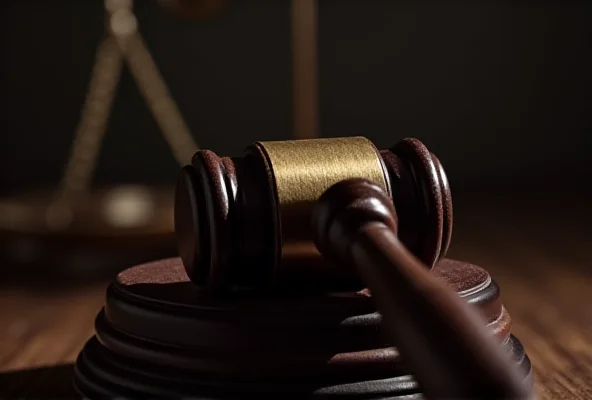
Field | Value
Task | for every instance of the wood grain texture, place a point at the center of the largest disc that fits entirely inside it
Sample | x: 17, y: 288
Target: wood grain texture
x: 541, y: 259
x: 41, y: 333
x: 537, y: 249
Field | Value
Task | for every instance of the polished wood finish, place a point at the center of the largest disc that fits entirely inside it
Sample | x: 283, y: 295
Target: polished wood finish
x: 443, y: 341
x: 535, y: 248
x: 270, y: 344
x: 227, y: 223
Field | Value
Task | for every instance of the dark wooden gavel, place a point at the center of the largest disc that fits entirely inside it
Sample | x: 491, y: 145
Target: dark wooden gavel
x: 245, y: 221
x: 236, y: 219
x: 443, y: 340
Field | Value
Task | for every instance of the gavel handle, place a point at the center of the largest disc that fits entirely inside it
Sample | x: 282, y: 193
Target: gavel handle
x: 444, y: 342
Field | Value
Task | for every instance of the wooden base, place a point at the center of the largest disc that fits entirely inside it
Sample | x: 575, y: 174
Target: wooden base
x: 160, y: 336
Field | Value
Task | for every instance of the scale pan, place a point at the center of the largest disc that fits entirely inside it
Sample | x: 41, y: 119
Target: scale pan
x: 106, y: 229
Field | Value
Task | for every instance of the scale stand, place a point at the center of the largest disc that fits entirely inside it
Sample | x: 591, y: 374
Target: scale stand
x: 74, y: 227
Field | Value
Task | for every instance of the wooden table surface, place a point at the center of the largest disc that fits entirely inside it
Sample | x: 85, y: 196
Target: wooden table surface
x: 539, y: 257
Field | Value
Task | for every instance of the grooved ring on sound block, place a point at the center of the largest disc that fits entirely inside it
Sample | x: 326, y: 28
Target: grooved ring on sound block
x: 157, y: 302
x: 429, y: 181
x: 281, y: 360
x: 101, y: 373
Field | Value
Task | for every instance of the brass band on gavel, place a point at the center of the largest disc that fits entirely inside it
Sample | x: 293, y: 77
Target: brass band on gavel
x: 245, y: 221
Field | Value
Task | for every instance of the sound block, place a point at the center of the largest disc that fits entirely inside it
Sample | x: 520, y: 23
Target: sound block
x: 161, y: 336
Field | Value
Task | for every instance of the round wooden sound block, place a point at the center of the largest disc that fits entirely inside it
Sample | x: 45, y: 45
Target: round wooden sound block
x: 161, y: 336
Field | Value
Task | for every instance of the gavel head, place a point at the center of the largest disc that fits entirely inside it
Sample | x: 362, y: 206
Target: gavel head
x: 343, y: 210
x: 246, y: 221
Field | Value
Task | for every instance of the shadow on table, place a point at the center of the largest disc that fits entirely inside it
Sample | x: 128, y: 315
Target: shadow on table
x: 46, y: 382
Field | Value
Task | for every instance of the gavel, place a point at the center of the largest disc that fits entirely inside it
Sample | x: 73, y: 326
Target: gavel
x: 443, y: 340
x: 383, y: 217
x: 245, y: 221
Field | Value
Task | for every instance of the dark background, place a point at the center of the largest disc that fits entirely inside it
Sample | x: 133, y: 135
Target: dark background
x: 500, y: 92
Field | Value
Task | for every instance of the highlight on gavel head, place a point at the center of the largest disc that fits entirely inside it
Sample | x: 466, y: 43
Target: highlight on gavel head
x: 246, y: 221
x: 343, y: 210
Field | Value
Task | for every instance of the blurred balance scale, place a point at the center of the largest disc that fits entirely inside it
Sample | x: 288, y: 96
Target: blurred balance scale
x: 80, y: 229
